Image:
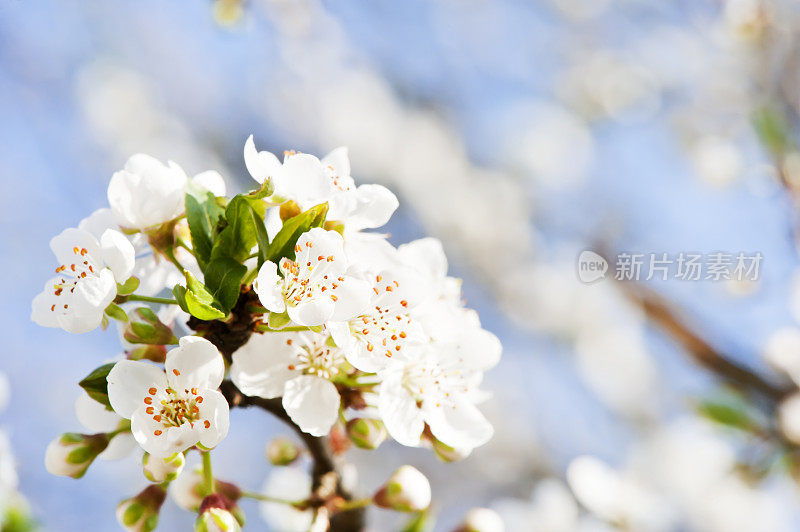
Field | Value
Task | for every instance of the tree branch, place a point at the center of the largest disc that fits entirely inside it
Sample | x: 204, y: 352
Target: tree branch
x: 660, y: 313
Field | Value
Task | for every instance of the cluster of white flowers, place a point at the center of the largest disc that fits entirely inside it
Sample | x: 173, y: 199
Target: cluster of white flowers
x: 389, y: 315
x: 344, y: 327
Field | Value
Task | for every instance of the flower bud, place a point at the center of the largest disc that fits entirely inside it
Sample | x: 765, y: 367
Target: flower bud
x: 447, y: 453
x: 189, y: 490
x: 481, y: 520
x: 71, y: 454
x: 366, y: 433
x: 162, y: 469
x: 282, y: 451
x: 155, y: 353
x: 218, y: 514
x: 144, y: 327
x: 407, y: 490
x: 140, y: 513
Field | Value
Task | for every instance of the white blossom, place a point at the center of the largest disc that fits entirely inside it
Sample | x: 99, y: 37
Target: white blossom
x: 173, y: 411
x: 315, y: 287
x: 87, y: 279
x: 297, y: 367
x: 437, y: 387
x: 146, y: 193
x: 309, y: 181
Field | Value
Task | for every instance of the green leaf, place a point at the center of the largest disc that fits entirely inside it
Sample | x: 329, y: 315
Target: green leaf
x: 278, y: 321
x: 128, y: 287
x: 223, y: 280
x: 197, y: 301
x: 284, y: 242
x: 772, y: 129
x: 203, y: 214
x: 146, y: 328
x: 240, y: 235
x: 264, y: 191
x: 726, y: 414
x: 115, y: 311
x: 96, y: 384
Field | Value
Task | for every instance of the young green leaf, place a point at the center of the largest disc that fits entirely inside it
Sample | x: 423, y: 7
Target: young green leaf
x: 197, y: 300
x: 115, y: 311
x: 203, y: 214
x: 96, y: 384
x: 128, y: 287
x: 239, y: 236
x: 283, y: 243
x: 223, y: 280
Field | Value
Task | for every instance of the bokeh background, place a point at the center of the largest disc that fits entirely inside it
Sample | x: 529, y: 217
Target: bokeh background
x: 518, y: 132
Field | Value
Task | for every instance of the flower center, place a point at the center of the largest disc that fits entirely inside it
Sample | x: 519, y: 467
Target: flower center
x: 316, y: 357
x: 82, y: 267
x: 176, y: 409
x: 300, y: 282
x: 431, y: 380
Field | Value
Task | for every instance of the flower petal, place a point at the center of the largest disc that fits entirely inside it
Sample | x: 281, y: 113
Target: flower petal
x: 212, y: 181
x: 261, y: 366
x: 311, y: 312
x: 94, y: 416
x: 129, y: 383
x: 216, y: 411
x: 399, y: 412
x: 352, y: 298
x: 65, y: 243
x: 196, y: 363
x: 312, y: 403
x: 158, y: 440
x: 267, y: 288
x: 374, y: 207
x: 459, y: 424
x: 261, y: 165
x: 118, y: 254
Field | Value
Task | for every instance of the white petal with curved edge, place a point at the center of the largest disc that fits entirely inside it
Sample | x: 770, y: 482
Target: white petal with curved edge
x: 426, y: 255
x: 314, y: 311
x: 374, y: 207
x: 312, y: 403
x: 260, y: 165
x: 261, y: 366
x: 195, y: 363
x: 267, y: 287
x: 168, y: 441
x: 212, y: 181
x: 93, y: 293
x: 215, y: 409
x: 97, y: 222
x: 63, y: 246
x: 95, y: 416
x: 352, y: 299
x: 118, y: 254
x: 339, y: 160
x: 43, y: 305
x: 128, y: 385
x: 75, y: 323
x: 459, y: 425
x: 303, y: 179
x: 121, y: 446
x: 399, y: 412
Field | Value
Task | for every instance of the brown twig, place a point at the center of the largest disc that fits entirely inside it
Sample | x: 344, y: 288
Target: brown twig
x: 660, y: 313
